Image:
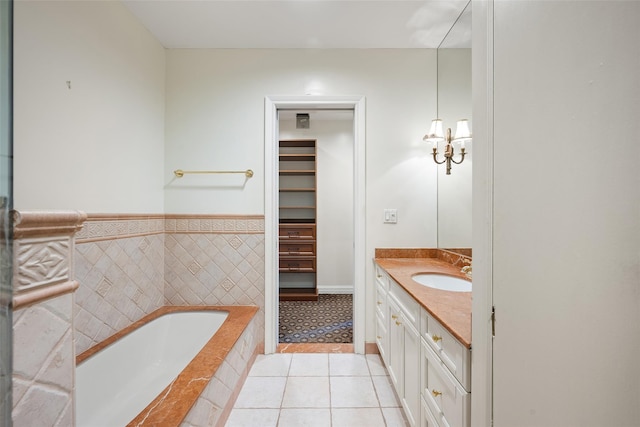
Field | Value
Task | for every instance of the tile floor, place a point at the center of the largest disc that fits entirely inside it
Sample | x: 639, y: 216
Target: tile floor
x: 317, y: 390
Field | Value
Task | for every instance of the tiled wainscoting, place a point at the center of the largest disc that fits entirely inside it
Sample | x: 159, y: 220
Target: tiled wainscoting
x: 123, y: 267
x: 120, y: 267
x: 43, y: 285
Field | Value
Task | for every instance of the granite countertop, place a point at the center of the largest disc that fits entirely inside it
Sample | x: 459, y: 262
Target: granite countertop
x: 452, y: 309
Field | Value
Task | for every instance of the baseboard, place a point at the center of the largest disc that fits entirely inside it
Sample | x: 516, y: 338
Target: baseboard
x: 335, y: 290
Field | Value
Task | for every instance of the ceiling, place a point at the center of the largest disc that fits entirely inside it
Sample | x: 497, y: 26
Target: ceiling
x: 327, y: 24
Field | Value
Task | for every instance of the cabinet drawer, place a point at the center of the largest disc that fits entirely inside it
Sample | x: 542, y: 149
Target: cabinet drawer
x: 381, y: 302
x: 448, y: 401
x: 407, y: 304
x: 454, y: 355
x: 382, y: 337
x: 297, y: 231
x: 300, y: 248
x: 426, y: 415
x: 297, y: 265
x: 381, y: 277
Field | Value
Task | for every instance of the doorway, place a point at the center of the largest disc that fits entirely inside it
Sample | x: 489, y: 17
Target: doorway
x: 272, y: 107
x: 315, y: 238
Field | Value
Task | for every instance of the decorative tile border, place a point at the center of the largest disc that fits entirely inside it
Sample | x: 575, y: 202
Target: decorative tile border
x: 219, y: 224
x: 100, y: 227
x: 43, y: 249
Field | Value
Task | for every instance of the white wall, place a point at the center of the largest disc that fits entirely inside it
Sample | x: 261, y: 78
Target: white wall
x: 97, y: 146
x: 566, y: 213
x: 215, y: 116
x: 334, y: 241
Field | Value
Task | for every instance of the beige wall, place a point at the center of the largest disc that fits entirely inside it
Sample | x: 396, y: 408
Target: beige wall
x: 215, y: 120
x: 98, y: 145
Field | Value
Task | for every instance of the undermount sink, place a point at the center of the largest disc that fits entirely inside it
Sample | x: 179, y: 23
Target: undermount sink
x: 443, y: 282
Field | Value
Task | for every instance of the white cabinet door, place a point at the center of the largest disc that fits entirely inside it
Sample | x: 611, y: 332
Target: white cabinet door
x: 411, y: 364
x: 382, y: 322
x: 396, y: 346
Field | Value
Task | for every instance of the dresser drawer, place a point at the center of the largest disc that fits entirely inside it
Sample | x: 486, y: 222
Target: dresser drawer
x: 303, y: 265
x: 450, y: 404
x: 297, y: 248
x: 297, y: 231
x: 454, y: 355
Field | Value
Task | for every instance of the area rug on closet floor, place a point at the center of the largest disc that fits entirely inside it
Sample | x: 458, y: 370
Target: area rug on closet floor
x: 328, y: 320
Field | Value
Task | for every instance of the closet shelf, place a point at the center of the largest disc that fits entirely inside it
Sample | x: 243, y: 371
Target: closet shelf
x: 297, y: 216
x: 297, y: 172
x: 298, y: 157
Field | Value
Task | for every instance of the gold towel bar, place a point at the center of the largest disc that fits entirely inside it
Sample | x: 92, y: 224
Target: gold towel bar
x: 180, y: 173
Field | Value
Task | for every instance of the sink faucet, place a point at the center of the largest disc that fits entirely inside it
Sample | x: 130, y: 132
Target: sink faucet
x: 467, y: 269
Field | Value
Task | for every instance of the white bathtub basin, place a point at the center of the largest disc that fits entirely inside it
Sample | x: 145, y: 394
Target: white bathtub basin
x: 443, y: 282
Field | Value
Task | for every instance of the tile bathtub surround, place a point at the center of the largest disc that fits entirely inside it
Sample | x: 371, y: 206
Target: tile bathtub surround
x: 44, y: 282
x: 121, y: 282
x: 119, y: 262
x: 130, y: 265
x: 322, y: 390
x: 213, y: 262
x: 202, y: 391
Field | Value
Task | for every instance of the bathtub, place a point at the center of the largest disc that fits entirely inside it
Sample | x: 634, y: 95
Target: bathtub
x: 149, y: 373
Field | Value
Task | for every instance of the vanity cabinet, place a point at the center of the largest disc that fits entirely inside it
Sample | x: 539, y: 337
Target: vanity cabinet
x: 403, y: 351
x: 382, y: 313
x: 429, y: 368
x: 444, y: 400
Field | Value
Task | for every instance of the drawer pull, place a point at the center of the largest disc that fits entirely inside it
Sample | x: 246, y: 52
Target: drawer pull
x: 379, y: 302
x: 436, y: 338
x: 293, y: 233
x: 379, y: 275
x: 379, y: 337
x: 436, y: 393
x: 393, y: 316
x: 398, y: 323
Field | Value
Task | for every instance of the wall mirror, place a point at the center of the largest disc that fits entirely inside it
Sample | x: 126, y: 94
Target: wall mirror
x: 454, y: 103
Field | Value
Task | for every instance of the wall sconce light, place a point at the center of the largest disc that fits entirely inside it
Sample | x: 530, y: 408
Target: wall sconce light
x: 436, y: 134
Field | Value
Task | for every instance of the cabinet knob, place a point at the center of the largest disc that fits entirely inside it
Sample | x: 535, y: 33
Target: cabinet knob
x: 435, y: 338
x: 379, y: 302
x: 398, y: 323
x: 393, y: 316
x: 436, y: 393
x: 379, y: 275
x: 379, y: 337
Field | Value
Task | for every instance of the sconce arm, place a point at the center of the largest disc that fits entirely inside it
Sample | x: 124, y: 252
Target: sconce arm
x: 435, y: 154
x: 462, y: 153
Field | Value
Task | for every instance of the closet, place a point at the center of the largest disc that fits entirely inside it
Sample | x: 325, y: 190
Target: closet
x: 297, y: 219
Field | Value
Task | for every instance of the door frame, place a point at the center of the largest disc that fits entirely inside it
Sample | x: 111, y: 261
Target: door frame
x: 271, y: 106
x: 483, y: 130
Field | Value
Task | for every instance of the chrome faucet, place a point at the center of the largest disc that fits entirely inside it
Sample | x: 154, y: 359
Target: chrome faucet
x: 467, y: 269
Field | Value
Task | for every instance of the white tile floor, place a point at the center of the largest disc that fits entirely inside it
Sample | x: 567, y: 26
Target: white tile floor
x: 317, y: 390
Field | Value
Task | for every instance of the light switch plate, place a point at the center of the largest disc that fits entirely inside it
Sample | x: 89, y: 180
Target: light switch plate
x: 390, y: 216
